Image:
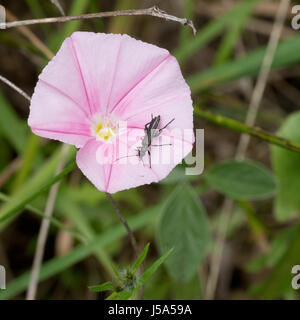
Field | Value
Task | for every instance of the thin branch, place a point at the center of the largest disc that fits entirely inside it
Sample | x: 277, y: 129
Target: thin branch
x: 123, y: 220
x: 216, y: 258
x: 153, y: 11
x: 249, y: 130
x: 16, y: 88
x: 43, y: 233
x: 264, y: 74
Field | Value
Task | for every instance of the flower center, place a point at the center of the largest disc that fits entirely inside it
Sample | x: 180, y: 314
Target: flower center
x: 104, y: 128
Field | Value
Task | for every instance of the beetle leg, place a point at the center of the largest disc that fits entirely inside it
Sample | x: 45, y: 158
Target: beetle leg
x: 149, y: 155
x: 160, y: 145
x: 160, y: 130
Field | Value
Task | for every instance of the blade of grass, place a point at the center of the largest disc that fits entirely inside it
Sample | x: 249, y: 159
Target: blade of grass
x: 42, y: 175
x: 148, y: 273
x: 98, y: 24
x: 141, y: 258
x: 18, y: 205
x: 107, y: 286
x: 188, y: 12
x: 36, y: 8
x: 123, y: 24
x: 39, y: 178
x: 56, y: 265
x: 287, y: 53
x: 28, y: 160
x: 207, y: 33
x: 77, y: 7
x: 235, y: 30
x: 13, y: 128
x: 73, y: 212
x: 55, y: 222
x: 38, y: 11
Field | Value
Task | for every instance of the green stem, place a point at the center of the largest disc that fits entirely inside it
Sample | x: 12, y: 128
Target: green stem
x: 241, y: 127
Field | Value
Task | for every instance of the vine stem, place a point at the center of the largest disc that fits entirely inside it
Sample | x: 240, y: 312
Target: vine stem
x: 124, y: 222
x: 130, y: 234
x: 153, y: 11
x: 246, y: 129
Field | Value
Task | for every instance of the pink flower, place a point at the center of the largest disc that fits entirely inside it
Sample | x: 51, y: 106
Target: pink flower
x: 95, y: 82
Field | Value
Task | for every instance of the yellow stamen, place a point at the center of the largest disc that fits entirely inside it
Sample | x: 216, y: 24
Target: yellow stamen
x: 104, y: 130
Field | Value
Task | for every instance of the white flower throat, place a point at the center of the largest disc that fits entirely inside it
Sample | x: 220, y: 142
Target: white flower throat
x: 104, y: 128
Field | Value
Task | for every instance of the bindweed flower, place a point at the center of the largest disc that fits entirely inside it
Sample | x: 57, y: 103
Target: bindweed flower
x: 99, y: 92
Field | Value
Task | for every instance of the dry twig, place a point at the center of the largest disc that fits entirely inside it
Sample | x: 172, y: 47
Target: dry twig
x: 43, y: 233
x: 153, y: 11
x: 14, y: 87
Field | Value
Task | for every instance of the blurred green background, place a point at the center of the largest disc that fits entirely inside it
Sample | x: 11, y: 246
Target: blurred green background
x: 221, y: 64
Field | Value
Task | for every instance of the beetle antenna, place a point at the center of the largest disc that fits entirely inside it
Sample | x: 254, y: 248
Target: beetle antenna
x: 134, y: 155
x: 166, y: 125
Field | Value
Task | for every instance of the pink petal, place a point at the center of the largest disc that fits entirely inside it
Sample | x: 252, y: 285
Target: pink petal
x: 95, y: 75
x: 112, y: 65
x: 54, y: 115
x: 115, y: 176
x: 163, y: 92
x: 59, y: 108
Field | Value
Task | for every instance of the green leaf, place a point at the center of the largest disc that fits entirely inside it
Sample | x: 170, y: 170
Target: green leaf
x: 103, y: 287
x: 125, y: 295
x: 248, y: 65
x: 286, y: 165
x: 183, y: 225
x: 149, y: 272
x: 242, y: 180
x: 115, y: 271
x: 140, y: 259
